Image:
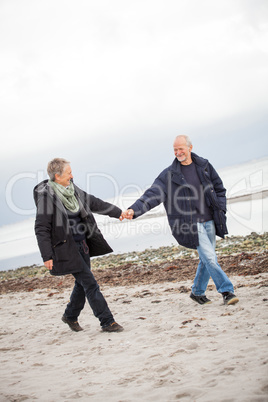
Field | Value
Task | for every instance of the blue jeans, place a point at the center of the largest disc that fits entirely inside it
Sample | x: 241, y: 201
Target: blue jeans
x: 86, y: 286
x: 208, y: 264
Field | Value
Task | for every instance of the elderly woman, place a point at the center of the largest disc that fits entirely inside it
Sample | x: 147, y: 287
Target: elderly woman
x: 67, y: 235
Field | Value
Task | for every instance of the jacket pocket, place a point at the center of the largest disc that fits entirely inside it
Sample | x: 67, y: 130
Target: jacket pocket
x: 61, y: 251
x: 219, y: 218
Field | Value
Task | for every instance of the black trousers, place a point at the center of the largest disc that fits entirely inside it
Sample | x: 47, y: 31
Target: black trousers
x: 86, y: 287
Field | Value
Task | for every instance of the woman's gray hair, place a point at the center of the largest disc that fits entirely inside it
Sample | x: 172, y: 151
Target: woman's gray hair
x: 56, y: 166
x: 187, y: 139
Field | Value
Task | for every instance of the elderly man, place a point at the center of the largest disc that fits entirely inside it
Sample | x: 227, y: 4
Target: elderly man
x: 195, y: 203
x: 67, y: 236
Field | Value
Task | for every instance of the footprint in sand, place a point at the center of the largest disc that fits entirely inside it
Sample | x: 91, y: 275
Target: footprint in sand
x: 192, y: 346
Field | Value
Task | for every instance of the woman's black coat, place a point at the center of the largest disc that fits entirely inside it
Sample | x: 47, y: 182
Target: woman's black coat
x: 53, y: 231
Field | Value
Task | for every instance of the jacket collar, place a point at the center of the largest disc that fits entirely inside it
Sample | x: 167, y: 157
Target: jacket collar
x: 198, y: 160
x: 176, y: 174
x: 44, y: 188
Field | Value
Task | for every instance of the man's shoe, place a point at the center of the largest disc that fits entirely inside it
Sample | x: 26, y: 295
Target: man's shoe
x: 114, y: 327
x: 229, y: 298
x: 72, y: 324
x: 200, y: 299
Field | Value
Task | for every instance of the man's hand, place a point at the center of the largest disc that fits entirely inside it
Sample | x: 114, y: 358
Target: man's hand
x: 49, y: 264
x: 128, y: 214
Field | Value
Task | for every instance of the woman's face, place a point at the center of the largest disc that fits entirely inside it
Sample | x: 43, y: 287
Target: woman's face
x: 65, y: 178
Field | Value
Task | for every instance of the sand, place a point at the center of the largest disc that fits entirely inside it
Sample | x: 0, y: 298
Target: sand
x: 172, y: 348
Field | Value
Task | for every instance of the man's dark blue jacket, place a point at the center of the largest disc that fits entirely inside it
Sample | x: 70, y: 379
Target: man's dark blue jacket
x: 171, y: 188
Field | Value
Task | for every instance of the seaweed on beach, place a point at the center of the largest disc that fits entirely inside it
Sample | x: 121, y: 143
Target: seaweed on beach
x: 237, y: 255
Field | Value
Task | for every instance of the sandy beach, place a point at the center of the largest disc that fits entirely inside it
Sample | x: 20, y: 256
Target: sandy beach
x: 171, y: 349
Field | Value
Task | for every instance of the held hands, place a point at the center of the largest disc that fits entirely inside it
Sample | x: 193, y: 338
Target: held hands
x: 49, y: 264
x: 128, y: 214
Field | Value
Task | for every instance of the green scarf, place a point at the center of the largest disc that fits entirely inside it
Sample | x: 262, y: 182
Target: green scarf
x: 66, y: 195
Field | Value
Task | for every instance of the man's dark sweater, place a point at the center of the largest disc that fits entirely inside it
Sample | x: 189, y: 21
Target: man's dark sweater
x: 202, y: 210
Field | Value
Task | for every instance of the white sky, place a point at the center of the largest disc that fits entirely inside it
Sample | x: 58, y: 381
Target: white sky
x: 108, y: 85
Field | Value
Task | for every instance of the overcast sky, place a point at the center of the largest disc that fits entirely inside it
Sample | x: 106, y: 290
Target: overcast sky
x: 109, y: 84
